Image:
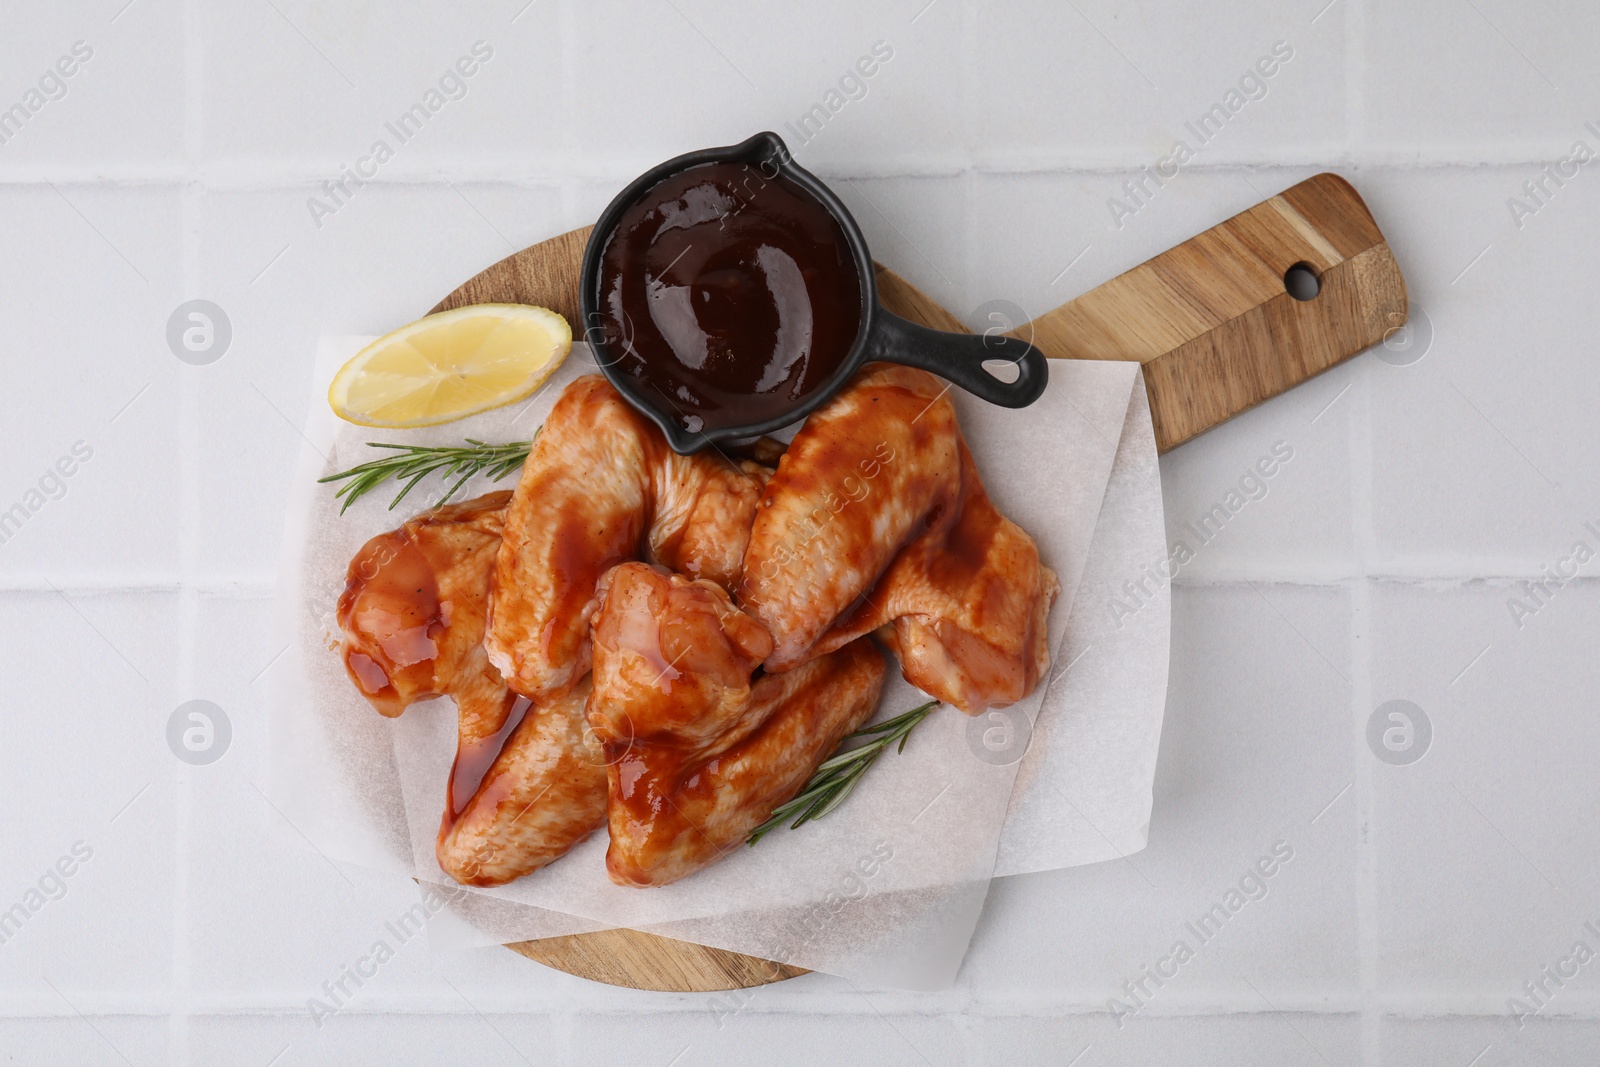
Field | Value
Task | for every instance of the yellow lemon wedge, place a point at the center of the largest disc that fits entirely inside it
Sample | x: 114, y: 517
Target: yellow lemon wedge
x: 451, y: 365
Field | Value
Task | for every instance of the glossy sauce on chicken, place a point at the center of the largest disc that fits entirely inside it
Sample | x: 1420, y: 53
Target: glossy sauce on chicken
x: 699, y: 744
x: 600, y: 486
x: 402, y: 591
x: 730, y: 293
x: 877, y: 521
x: 474, y: 757
x: 400, y: 580
x: 412, y: 617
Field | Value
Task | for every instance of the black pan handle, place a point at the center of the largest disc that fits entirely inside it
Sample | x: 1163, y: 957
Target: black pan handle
x: 959, y: 357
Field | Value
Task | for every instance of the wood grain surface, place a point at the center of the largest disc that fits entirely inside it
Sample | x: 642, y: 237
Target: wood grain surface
x: 645, y: 961
x: 1212, y: 321
x: 1216, y: 330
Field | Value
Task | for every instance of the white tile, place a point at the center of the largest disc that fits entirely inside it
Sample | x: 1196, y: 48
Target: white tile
x: 87, y: 847
x: 1454, y: 1041
x: 353, y: 1037
x: 1493, y: 77
x: 297, y: 91
x: 1001, y: 1042
x: 1476, y: 449
x: 123, y: 101
x: 321, y: 84
x: 666, y: 80
x: 1106, y: 81
x: 1260, y: 1036
x: 907, y: 114
x: 1291, y: 1038
x: 715, y: 76
x: 1039, y: 240
x: 1486, y: 847
x: 917, y: 228
x: 1282, y: 476
x: 1256, y: 744
x: 85, y: 292
x: 723, y: 1034
x: 112, y: 1040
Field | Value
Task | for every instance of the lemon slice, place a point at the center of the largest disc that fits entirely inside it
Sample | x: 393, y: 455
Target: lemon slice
x: 451, y: 365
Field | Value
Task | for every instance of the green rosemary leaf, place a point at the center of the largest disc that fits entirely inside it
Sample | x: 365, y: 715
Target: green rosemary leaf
x: 837, y: 775
x: 408, y: 465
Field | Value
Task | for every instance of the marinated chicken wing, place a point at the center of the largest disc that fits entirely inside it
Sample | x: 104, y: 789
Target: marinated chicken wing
x: 699, y: 754
x: 970, y: 601
x: 413, y: 613
x: 679, y: 657
x: 868, y: 471
x: 877, y: 515
x: 544, y: 792
x: 600, y: 487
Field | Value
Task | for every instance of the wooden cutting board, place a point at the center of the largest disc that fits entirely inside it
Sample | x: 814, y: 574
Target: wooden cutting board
x: 1212, y: 321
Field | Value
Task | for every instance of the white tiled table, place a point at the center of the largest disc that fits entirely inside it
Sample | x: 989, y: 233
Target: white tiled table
x: 178, y: 164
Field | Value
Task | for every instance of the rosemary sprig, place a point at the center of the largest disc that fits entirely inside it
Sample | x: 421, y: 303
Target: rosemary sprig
x: 839, y: 773
x: 412, y: 463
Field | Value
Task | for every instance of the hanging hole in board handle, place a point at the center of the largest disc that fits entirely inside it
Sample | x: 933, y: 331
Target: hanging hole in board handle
x: 1301, y: 281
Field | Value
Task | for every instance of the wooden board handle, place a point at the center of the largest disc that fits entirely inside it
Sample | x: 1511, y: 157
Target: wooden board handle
x: 1213, y: 322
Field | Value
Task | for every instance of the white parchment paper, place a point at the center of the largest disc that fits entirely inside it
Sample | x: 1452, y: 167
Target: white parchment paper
x: 1083, y: 791
x: 890, y: 885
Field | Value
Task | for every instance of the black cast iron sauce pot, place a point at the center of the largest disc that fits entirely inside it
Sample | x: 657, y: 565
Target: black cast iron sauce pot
x: 728, y: 293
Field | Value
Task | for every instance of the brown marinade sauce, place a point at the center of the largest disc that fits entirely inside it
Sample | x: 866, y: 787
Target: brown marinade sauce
x: 729, y: 294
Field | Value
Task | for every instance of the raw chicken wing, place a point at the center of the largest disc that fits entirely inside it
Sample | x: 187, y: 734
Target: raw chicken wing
x: 544, y: 792
x: 870, y: 470
x: 412, y: 614
x: 699, y: 754
x: 877, y: 515
x: 970, y: 601
x: 600, y: 487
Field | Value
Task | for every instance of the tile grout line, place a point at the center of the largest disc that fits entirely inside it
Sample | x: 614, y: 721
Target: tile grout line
x: 1366, y: 859
x: 188, y: 548
x: 1361, y: 623
x: 564, y: 1024
x: 966, y: 1033
x: 1361, y: 629
x: 1355, y: 86
x: 1485, y: 1003
x: 245, y: 175
x: 971, y: 1045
